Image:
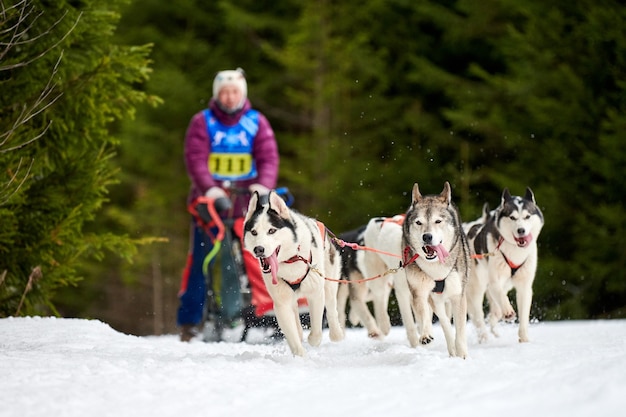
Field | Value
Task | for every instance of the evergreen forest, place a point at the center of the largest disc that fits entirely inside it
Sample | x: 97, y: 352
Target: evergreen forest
x: 365, y: 98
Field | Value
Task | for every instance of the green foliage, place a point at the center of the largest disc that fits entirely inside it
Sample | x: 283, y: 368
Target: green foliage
x: 63, y: 83
x: 367, y: 99
x: 553, y: 113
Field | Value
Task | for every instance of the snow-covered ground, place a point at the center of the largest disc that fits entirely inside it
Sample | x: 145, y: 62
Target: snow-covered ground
x: 71, y: 367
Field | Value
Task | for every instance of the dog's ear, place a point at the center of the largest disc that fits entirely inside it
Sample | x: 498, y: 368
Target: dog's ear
x: 446, y: 194
x: 278, y: 205
x: 506, y: 195
x: 485, y: 211
x: 252, y: 206
x: 530, y: 196
x: 416, y: 195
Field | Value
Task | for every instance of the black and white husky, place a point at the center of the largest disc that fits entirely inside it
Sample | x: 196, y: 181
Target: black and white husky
x: 504, y: 245
x: 296, y: 257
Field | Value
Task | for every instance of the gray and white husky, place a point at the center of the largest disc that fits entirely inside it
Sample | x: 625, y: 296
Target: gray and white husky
x: 437, y: 258
x: 504, y: 244
x: 296, y: 257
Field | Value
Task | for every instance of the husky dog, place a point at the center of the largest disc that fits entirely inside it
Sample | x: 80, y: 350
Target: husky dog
x: 383, y: 235
x: 351, y: 270
x: 369, y: 264
x: 296, y: 257
x: 505, y: 252
x: 437, y: 265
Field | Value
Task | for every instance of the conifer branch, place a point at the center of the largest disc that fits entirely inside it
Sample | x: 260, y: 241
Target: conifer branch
x: 20, y: 35
x: 35, y: 276
x: 14, y: 178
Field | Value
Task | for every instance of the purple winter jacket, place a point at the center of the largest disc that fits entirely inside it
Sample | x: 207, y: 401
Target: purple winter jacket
x: 197, y: 149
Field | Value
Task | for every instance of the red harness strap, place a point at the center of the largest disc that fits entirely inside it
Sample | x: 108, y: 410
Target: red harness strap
x: 322, y: 228
x: 407, y: 258
x: 399, y: 220
x: 298, y: 258
x: 439, y: 284
x: 514, y: 267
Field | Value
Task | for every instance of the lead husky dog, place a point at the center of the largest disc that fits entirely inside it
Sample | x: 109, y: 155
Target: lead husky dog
x: 504, y: 244
x: 296, y: 255
x: 437, y: 265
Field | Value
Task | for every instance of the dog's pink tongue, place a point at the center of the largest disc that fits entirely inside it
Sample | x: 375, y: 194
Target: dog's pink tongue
x: 442, y: 253
x: 524, y: 240
x: 273, y: 262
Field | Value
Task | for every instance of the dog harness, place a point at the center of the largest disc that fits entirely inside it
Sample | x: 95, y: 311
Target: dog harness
x: 440, y: 285
x: 399, y: 220
x: 298, y: 258
x: 231, y: 147
x: 511, y: 265
x: 514, y: 267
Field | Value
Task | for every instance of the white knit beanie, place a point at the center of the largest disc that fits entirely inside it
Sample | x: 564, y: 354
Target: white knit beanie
x: 230, y: 77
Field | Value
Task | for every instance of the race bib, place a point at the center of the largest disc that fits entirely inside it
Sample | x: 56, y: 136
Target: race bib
x: 230, y: 165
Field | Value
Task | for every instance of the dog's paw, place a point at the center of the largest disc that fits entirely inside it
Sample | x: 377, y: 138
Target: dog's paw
x: 509, y: 316
x: 483, y: 337
x: 495, y: 332
x: 336, y: 335
x: 299, y: 351
x: 426, y: 339
x: 315, y: 339
x: 523, y: 338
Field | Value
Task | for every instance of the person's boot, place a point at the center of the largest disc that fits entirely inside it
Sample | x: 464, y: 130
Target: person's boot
x: 188, y: 332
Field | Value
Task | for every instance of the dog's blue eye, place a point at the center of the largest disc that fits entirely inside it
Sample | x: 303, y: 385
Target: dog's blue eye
x: 253, y: 232
x: 271, y: 231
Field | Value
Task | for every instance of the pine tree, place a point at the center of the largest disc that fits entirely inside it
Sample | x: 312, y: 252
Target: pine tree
x: 552, y: 118
x: 63, y: 83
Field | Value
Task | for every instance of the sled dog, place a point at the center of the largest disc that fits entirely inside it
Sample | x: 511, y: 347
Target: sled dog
x: 351, y: 270
x: 437, y: 257
x: 296, y: 255
x: 377, y: 291
x: 504, y: 245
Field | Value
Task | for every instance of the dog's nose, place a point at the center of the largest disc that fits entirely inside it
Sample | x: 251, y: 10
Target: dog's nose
x: 521, y: 231
x: 427, y: 238
x: 259, y: 251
